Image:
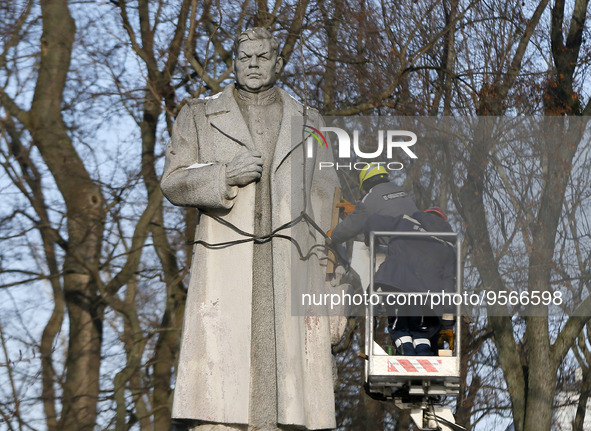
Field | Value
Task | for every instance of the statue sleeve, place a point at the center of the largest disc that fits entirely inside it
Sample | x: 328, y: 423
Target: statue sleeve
x: 186, y: 181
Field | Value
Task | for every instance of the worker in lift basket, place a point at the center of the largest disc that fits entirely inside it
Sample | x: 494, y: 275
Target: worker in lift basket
x: 417, y: 264
x: 381, y: 197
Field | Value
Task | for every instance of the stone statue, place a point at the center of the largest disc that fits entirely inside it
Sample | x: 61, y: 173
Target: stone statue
x: 246, y: 362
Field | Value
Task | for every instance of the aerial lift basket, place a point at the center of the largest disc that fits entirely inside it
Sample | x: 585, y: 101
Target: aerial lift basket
x: 420, y: 376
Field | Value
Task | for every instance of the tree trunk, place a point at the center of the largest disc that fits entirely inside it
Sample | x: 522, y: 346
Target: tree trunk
x: 85, y: 214
x: 583, y: 400
x: 541, y: 383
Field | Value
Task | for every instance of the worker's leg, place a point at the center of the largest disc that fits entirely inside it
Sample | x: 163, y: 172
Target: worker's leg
x: 421, y: 329
x: 399, y: 331
x: 446, y: 334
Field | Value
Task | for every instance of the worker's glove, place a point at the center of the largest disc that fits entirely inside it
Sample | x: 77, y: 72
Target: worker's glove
x: 346, y: 206
x: 446, y: 335
x: 244, y: 168
x: 328, y: 239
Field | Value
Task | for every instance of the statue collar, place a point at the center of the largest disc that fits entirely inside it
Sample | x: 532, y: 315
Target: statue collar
x: 226, y: 101
x: 263, y: 98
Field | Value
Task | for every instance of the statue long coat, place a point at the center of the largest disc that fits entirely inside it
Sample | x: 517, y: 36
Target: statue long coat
x: 213, y: 375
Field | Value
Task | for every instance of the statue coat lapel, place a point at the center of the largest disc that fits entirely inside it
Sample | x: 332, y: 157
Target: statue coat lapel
x: 286, y: 141
x: 225, y: 115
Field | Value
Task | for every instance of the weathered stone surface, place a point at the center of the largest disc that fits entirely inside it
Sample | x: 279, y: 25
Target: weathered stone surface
x: 245, y: 359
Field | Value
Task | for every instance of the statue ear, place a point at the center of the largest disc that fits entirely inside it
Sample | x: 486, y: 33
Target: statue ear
x: 278, y: 65
x: 233, y: 66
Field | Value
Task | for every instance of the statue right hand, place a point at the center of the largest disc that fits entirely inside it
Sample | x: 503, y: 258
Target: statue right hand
x: 244, y: 168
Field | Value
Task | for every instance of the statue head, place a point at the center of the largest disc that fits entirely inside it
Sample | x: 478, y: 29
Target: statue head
x: 256, y: 60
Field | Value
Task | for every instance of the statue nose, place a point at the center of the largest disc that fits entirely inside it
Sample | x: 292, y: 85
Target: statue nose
x: 254, y: 61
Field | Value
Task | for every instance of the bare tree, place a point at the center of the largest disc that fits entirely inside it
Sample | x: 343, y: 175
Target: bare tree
x: 88, y: 95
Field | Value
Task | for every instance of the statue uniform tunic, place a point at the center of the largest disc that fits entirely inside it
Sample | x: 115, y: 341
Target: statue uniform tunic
x: 262, y: 113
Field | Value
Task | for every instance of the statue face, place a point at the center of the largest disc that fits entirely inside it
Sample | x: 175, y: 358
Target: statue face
x: 256, y: 65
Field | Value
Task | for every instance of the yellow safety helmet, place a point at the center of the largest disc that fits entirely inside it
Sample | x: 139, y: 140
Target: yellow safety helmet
x: 371, y: 170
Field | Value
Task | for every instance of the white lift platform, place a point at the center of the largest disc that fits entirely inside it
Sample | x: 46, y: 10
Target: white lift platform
x: 415, y: 383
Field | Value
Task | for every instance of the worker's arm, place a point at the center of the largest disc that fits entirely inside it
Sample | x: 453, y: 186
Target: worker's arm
x: 352, y: 225
x: 379, y: 222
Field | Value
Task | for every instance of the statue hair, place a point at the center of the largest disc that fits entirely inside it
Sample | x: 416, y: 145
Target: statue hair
x: 256, y: 33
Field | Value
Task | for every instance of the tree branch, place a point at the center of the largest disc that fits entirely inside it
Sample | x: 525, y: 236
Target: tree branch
x: 15, y: 35
x: 571, y: 330
x: 295, y: 30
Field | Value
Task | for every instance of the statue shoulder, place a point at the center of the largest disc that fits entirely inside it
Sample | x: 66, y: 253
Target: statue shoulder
x: 198, y: 101
x: 190, y: 104
x: 194, y: 106
x: 195, y: 101
x: 314, y: 115
x: 298, y: 107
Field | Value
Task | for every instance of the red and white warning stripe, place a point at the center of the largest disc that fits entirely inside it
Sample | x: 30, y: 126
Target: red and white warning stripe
x: 410, y: 365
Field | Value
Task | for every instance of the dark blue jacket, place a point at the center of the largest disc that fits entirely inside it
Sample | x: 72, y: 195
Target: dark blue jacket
x: 415, y: 264
x: 385, y: 198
